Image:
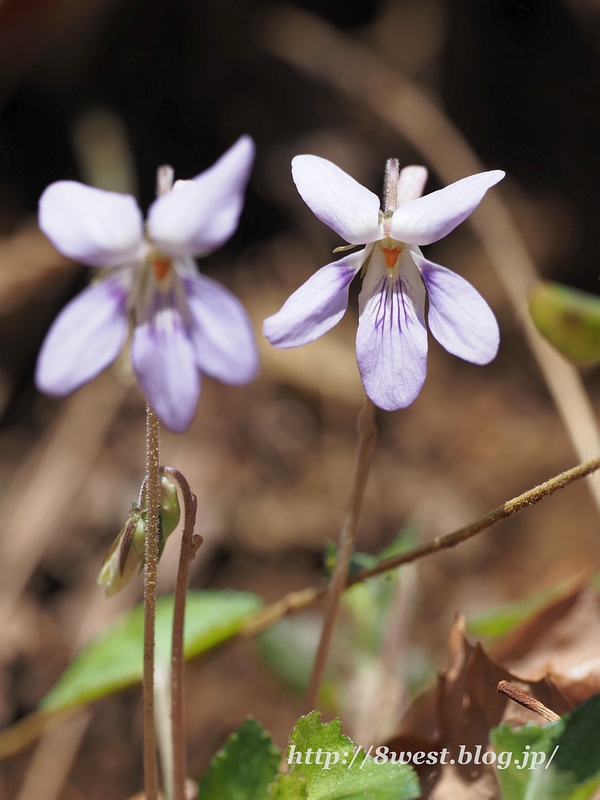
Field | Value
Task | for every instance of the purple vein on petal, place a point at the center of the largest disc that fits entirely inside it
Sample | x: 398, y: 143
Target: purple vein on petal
x: 391, y: 341
x: 164, y: 362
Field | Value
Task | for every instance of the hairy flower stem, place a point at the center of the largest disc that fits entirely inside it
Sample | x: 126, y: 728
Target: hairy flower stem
x: 367, y: 433
x: 189, y: 547
x: 151, y: 565
x: 164, y: 182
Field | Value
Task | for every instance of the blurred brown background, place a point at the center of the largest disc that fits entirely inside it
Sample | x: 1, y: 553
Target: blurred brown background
x: 105, y: 91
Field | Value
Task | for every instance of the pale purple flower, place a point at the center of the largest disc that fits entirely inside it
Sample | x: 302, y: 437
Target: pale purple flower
x: 391, y: 343
x: 184, y: 324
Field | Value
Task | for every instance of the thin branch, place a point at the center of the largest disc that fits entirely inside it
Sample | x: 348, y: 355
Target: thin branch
x: 524, y: 500
x: 27, y: 730
x: 300, y: 600
x: 367, y: 433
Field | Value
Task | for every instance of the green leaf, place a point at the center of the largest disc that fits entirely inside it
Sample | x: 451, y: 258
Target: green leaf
x: 406, y: 540
x: 510, y: 748
x: 114, y: 659
x: 290, y: 787
x: 327, y: 765
x: 358, y: 561
x: 569, y: 319
x: 579, y: 751
x: 569, y: 768
x: 289, y: 646
x: 498, y: 621
x: 244, y: 768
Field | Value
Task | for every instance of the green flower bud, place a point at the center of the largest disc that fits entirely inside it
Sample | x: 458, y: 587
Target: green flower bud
x: 126, y: 554
x: 169, y: 509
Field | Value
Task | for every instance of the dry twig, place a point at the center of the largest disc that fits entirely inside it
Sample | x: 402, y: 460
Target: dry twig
x: 504, y: 687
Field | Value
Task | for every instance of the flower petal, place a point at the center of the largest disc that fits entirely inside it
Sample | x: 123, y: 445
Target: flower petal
x: 200, y: 215
x: 316, y: 306
x: 85, y: 338
x: 164, y: 363
x: 221, y: 332
x: 94, y: 227
x: 411, y: 183
x: 391, y: 343
x: 459, y: 317
x: 429, y: 218
x: 336, y: 199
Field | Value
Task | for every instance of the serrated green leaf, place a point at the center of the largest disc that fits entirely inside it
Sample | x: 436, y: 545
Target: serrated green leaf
x: 334, y: 769
x: 289, y: 787
x: 569, y: 319
x: 244, y: 768
x: 513, y: 779
x: 570, y: 769
x: 114, y: 659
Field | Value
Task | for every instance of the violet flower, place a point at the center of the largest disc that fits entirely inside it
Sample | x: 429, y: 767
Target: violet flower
x: 391, y: 343
x: 184, y: 323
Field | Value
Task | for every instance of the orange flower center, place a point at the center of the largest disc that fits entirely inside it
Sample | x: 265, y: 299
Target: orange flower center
x: 162, y: 266
x: 391, y: 256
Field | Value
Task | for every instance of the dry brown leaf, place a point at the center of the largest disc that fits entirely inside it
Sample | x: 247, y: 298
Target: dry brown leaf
x: 468, y: 707
x: 562, y: 641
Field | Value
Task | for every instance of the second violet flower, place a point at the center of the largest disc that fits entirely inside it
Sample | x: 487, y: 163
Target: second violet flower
x: 391, y: 343
x: 184, y: 324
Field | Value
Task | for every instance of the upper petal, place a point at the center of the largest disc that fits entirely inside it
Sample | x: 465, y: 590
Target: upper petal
x: 200, y: 215
x: 316, y: 306
x: 411, y: 183
x: 94, y: 227
x: 459, y: 317
x: 86, y: 337
x: 164, y: 363
x: 336, y: 199
x: 391, y: 343
x: 221, y: 332
x: 432, y: 217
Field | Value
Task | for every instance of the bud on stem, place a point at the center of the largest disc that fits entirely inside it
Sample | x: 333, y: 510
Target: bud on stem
x: 126, y: 555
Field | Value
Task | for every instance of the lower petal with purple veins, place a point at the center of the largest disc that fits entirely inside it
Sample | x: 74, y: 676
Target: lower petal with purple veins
x: 391, y: 343
x: 221, y: 332
x: 164, y: 363
x: 317, y: 305
x: 85, y: 338
x: 459, y: 317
